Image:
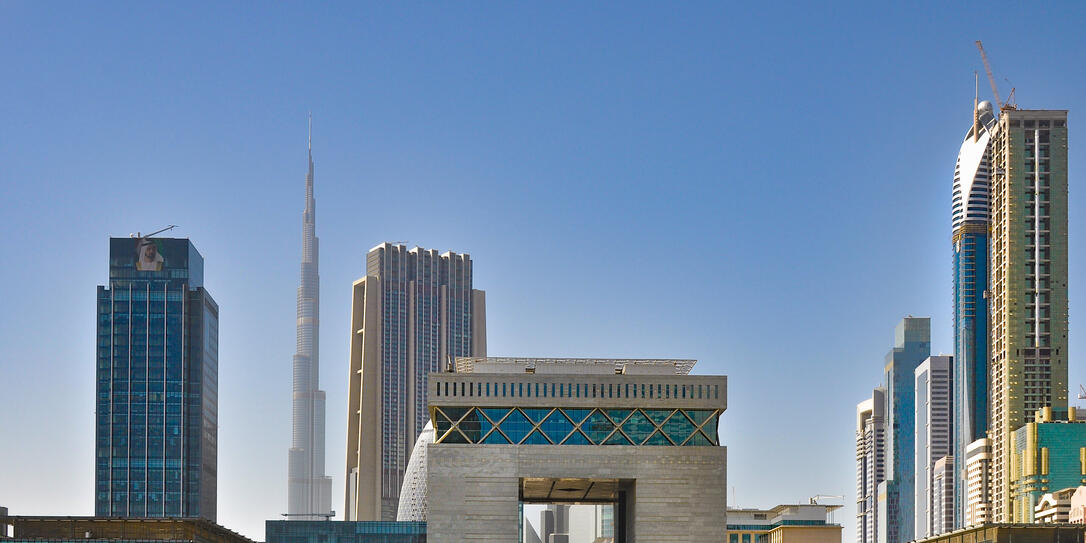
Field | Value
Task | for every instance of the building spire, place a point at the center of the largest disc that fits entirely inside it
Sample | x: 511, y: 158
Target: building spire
x: 976, y: 104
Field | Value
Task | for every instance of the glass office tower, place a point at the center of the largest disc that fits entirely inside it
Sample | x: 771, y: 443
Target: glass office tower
x: 969, y: 222
x: 912, y: 344
x: 157, y: 383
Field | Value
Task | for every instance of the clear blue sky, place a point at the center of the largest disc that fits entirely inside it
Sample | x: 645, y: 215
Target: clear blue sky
x: 766, y: 190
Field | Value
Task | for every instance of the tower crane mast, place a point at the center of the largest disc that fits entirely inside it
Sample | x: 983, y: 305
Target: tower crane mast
x: 991, y: 80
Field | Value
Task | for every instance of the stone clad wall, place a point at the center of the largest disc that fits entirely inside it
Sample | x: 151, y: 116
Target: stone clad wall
x: 679, y: 492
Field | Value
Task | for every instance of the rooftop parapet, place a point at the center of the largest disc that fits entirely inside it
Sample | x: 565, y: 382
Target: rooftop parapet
x: 582, y: 366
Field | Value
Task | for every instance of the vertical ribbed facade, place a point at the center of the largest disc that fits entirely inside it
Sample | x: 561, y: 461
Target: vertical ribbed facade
x: 309, y: 491
x: 912, y: 344
x: 870, y: 463
x: 933, y: 438
x: 413, y: 313
x: 1028, y: 282
x: 156, y: 407
x: 970, y: 213
x: 942, y: 496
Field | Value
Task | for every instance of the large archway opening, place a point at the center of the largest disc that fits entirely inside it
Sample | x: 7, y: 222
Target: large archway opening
x: 575, y: 510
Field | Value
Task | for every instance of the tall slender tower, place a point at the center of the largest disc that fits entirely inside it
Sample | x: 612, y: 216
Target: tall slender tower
x: 309, y: 492
x: 411, y: 315
x: 870, y: 463
x: 158, y: 366
x: 1028, y: 302
x: 969, y: 223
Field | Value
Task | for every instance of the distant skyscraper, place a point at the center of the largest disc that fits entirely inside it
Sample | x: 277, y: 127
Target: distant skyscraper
x: 309, y: 491
x: 933, y: 434
x: 912, y: 344
x: 157, y: 394
x: 969, y: 238
x: 1028, y: 302
x: 870, y: 463
x: 412, y: 314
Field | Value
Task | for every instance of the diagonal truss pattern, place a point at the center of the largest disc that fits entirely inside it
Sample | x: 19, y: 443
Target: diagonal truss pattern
x: 576, y: 426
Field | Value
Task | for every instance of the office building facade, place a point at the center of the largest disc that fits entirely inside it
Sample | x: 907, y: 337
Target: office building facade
x: 1049, y: 454
x: 411, y: 315
x: 309, y: 491
x: 932, y: 393
x: 639, y: 435
x: 912, y: 345
x: 870, y: 463
x: 798, y: 523
x: 156, y: 404
x: 1028, y: 283
x: 970, y: 215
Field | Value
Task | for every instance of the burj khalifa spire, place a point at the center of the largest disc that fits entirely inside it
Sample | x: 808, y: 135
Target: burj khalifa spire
x: 309, y: 491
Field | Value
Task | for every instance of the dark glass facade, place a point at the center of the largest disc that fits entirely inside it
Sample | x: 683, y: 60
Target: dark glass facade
x: 970, y: 384
x: 157, y: 383
x: 332, y: 531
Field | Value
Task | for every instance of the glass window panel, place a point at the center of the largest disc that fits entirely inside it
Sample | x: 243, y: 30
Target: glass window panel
x: 699, y: 415
x: 678, y: 427
x: 577, y: 415
x: 536, y: 438
x: 494, y: 414
x: 577, y: 438
x: 657, y: 438
x: 557, y: 426
x: 536, y: 415
x: 454, y: 437
x: 516, y: 426
x: 495, y: 438
x: 618, y: 415
x: 471, y: 426
x: 597, y: 427
x: 698, y: 441
x: 638, y: 427
x: 617, y: 439
x: 658, y: 415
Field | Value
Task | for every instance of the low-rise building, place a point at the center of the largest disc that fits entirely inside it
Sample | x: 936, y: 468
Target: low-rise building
x: 798, y: 523
x: 1048, y: 454
x: 29, y: 529
x: 1013, y: 533
x: 1077, y: 513
x: 1054, y: 507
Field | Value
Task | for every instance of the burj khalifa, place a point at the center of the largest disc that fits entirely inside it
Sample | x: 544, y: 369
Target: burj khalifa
x: 309, y: 491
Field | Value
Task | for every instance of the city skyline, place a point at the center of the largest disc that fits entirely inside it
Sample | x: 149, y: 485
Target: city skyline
x: 565, y: 149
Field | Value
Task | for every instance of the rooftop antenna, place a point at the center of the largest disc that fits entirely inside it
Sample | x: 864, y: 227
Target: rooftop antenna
x: 139, y: 235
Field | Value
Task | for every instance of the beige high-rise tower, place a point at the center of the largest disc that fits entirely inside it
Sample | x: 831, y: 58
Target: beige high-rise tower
x: 1028, y: 281
x: 413, y: 313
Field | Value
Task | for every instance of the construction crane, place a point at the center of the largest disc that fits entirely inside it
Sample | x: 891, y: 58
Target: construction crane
x: 991, y: 80
x: 139, y: 235
x: 1081, y: 392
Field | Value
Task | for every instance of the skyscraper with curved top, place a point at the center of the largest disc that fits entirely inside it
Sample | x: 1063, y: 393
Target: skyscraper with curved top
x: 970, y: 213
x: 309, y: 492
